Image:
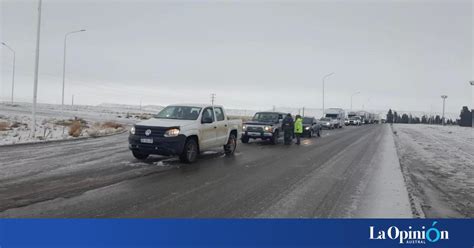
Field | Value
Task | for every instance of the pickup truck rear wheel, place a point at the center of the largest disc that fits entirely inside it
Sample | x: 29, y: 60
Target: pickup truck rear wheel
x: 245, y: 139
x: 139, y: 155
x: 229, y: 148
x: 190, y: 151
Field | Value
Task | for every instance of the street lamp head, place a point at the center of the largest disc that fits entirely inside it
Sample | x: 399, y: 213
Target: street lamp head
x: 328, y: 75
x: 471, y: 82
x: 82, y: 30
x: 3, y: 43
x: 444, y: 96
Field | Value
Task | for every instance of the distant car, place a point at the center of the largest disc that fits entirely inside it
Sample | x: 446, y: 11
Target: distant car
x: 326, y: 123
x: 355, y: 121
x: 346, y: 122
x: 311, y: 127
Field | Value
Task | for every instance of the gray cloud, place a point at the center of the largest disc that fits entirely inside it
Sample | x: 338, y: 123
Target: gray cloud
x: 398, y: 54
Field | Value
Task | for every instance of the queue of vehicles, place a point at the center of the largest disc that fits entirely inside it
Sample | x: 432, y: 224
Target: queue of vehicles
x: 186, y: 130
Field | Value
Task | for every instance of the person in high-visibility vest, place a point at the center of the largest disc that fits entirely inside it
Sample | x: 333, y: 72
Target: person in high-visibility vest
x: 298, y: 128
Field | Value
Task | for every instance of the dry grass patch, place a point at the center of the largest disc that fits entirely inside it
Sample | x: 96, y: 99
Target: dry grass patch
x: 4, y: 126
x: 111, y: 124
x: 75, y: 129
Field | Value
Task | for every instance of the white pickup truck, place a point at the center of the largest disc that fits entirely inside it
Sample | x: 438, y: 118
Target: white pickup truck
x: 185, y: 130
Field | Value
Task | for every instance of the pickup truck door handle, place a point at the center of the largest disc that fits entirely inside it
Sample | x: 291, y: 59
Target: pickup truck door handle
x: 215, y: 127
x: 225, y: 125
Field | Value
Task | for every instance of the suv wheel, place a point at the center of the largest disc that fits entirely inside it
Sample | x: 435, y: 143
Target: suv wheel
x: 245, y: 139
x: 190, y: 151
x: 274, y: 138
x: 140, y: 156
x: 229, y: 148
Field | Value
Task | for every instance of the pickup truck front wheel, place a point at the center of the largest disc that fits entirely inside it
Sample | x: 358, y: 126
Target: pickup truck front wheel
x: 139, y: 155
x: 229, y: 148
x: 190, y: 151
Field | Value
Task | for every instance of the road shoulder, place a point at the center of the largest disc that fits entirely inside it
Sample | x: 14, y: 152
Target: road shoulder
x: 385, y: 194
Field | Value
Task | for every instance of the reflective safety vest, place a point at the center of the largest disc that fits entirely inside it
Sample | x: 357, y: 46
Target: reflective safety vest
x: 299, y: 125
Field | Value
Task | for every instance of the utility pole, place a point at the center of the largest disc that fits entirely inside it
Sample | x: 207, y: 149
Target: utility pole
x: 472, y: 108
x: 35, y: 86
x: 13, y: 76
x: 324, y: 81
x: 303, y: 111
x: 72, y: 101
x: 444, y: 101
x: 213, y: 97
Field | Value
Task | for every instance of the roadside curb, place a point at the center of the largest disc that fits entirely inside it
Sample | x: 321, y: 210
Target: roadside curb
x: 414, y: 203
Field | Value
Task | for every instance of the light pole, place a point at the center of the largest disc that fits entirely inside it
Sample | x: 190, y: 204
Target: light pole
x: 13, y: 76
x: 444, y: 100
x: 35, y: 86
x: 64, y: 62
x: 472, y: 108
x: 358, y: 92
x: 324, y: 81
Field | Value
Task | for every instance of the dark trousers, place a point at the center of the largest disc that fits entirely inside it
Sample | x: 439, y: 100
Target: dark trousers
x: 298, y: 136
x: 288, y: 136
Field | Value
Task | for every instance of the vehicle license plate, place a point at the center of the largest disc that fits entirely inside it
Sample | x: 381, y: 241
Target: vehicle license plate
x: 147, y: 141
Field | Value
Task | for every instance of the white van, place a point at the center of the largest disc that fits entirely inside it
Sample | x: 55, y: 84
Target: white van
x: 337, y: 116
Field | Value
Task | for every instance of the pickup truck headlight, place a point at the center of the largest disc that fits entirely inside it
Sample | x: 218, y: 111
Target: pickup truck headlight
x: 244, y: 127
x: 132, y: 130
x: 172, y: 132
x: 268, y: 129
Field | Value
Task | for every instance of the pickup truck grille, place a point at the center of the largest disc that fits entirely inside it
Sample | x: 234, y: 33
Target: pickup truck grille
x: 155, y: 131
x: 254, y: 129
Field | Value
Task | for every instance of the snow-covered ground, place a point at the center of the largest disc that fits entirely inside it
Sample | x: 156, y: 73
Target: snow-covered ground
x: 438, y: 166
x: 53, y: 123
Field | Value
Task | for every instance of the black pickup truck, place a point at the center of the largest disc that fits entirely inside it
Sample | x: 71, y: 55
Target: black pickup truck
x: 265, y: 126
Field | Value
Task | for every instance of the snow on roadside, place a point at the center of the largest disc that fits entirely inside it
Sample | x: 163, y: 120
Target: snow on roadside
x: 438, y: 165
x: 54, y: 124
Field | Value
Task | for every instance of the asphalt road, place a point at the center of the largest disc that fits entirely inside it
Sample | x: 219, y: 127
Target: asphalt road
x: 331, y: 176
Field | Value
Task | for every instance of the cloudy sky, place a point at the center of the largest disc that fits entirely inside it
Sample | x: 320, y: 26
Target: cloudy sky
x: 252, y: 54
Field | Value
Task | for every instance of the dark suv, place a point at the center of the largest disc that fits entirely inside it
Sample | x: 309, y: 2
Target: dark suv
x: 265, y: 126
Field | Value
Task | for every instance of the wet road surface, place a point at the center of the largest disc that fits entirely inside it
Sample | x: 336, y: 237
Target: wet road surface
x: 329, y: 176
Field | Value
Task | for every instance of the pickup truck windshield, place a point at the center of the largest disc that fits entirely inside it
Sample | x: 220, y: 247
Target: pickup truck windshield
x: 325, y: 119
x: 331, y: 115
x: 265, y: 117
x: 179, y: 113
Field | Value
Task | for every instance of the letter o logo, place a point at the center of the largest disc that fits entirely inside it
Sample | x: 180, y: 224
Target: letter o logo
x: 437, y: 237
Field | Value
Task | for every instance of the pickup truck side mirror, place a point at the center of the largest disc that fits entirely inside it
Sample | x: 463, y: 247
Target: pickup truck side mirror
x: 206, y: 120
